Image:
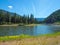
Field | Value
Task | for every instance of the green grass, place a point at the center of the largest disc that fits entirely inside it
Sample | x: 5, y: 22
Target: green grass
x: 19, y: 37
x: 51, y: 35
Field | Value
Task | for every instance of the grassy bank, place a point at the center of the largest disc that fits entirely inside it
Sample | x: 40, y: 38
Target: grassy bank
x: 48, y: 39
x: 19, y: 37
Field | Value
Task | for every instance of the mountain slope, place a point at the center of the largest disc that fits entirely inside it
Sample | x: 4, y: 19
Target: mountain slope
x: 4, y: 12
x: 54, y: 17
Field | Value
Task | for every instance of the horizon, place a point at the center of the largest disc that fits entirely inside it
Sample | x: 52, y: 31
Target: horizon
x: 39, y: 8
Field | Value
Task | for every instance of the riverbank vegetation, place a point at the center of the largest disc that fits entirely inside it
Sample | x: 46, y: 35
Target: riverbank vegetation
x: 13, y: 18
x: 9, y: 18
x: 19, y: 37
x: 48, y: 39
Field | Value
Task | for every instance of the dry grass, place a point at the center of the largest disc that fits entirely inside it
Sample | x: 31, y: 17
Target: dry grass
x: 43, y: 40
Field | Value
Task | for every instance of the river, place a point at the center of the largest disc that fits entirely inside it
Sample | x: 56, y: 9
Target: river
x: 29, y: 30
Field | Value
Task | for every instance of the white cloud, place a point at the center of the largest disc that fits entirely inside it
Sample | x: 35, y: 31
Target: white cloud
x: 10, y: 7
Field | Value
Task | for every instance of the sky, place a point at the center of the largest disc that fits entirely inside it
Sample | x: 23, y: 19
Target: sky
x: 39, y: 8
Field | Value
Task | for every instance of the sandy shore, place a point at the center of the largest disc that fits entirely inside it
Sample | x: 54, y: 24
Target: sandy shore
x: 32, y: 24
x: 10, y: 25
x: 20, y: 25
x: 35, y: 41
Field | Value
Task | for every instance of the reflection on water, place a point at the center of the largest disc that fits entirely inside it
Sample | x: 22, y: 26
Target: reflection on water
x: 29, y: 30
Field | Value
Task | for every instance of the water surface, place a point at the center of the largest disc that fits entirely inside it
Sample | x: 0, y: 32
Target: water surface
x: 29, y: 30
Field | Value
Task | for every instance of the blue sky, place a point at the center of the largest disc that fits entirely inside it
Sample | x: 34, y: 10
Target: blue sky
x: 39, y: 8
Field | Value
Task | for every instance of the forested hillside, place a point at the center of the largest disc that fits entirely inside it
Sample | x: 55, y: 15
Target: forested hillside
x: 8, y: 18
x: 54, y: 17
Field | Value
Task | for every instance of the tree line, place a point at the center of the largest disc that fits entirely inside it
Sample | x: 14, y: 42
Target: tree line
x: 9, y: 18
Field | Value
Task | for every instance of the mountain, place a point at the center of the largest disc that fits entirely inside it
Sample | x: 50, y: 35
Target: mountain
x: 40, y: 19
x: 54, y: 17
x: 4, y: 12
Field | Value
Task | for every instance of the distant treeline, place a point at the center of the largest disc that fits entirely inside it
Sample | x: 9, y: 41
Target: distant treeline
x: 8, y: 18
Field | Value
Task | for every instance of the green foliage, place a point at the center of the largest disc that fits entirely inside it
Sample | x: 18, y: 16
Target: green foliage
x: 18, y: 37
x: 8, y: 18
